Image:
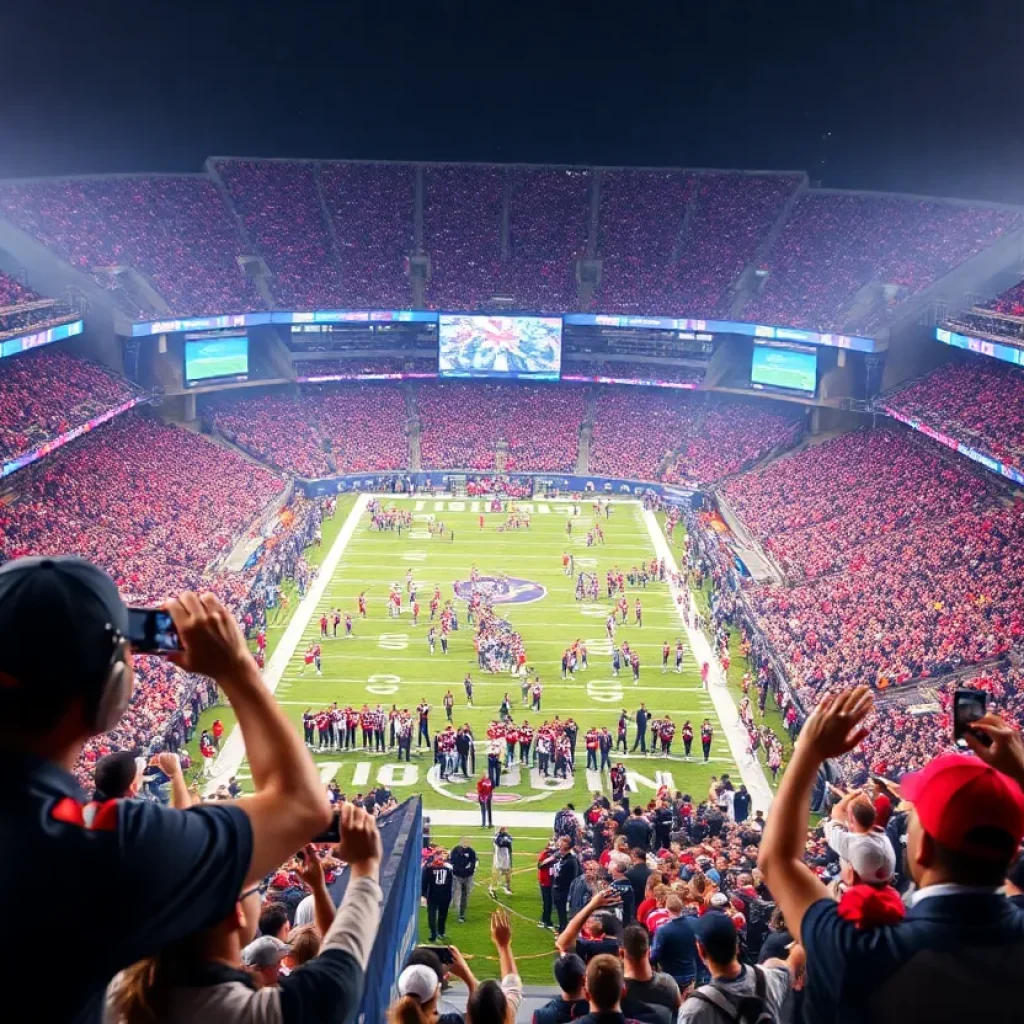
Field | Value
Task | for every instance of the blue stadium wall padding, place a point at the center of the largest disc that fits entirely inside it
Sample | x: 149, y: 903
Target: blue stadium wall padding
x: 401, y: 833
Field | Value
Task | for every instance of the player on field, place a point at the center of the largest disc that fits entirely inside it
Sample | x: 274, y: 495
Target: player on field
x: 639, y: 613
x: 468, y: 684
x: 687, y: 739
x: 423, y: 712
x: 707, y: 734
x: 679, y: 655
x: 362, y: 605
x: 449, y: 705
x: 665, y: 652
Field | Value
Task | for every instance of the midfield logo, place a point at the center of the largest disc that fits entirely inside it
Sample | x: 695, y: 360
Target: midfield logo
x: 501, y: 590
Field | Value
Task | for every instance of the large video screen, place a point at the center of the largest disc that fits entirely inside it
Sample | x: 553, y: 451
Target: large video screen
x: 794, y: 369
x: 216, y: 358
x: 528, y: 347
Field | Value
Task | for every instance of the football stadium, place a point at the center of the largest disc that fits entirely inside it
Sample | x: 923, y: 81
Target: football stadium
x: 619, y: 565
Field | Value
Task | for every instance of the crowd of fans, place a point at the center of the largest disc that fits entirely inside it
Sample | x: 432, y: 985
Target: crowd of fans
x: 918, y: 585
x: 979, y: 403
x: 461, y: 424
x: 371, y: 206
x: 321, y: 431
x: 833, y: 245
x: 640, y: 221
x: 157, y: 507
x: 549, y: 218
x: 279, y: 203
x: 45, y: 394
x: 462, y: 212
x: 682, y: 439
x: 732, y: 216
x: 174, y: 230
x: 839, y: 483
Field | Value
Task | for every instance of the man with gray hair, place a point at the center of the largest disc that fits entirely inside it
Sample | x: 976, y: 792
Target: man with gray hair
x: 618, y: 865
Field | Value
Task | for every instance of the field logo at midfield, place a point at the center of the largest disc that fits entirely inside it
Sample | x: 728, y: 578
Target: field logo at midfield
x: 501, y: 589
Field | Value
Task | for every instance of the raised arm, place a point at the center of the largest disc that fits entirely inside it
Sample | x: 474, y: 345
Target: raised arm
x: 311, y: 871
x: 501, y: 935
x: 289, y: 805
x: 835, y: 728
x: 566, y: 941
x: 170, y: 765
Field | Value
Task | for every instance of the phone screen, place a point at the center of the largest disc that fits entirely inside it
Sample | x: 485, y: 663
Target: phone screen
x: 444, y: 954
x: 152, y: 631
x: 968, y: 706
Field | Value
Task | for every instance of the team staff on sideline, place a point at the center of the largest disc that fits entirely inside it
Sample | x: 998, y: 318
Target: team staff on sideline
x: 66, y: 673
x: 463, y: 861
x: 959, y: 951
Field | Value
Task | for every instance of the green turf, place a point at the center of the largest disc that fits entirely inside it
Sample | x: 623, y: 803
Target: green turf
x: 388, y: 661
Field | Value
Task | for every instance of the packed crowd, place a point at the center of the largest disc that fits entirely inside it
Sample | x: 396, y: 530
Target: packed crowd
x: 462, y: 423
x: 683, y: 439
x: 322, y: 431
x: 13, y: 291
x: 833, y: 245
x: 173, y: 229
x: 154, y: 505
x: 839, y: 483
x: 979, y: 403
x: 280, y: 205
x: 44, y: 394
x: 462, y: 212
x: 549, y: 218
x: 371, y: 206
x: 12, y: 294
x: 732, y: 216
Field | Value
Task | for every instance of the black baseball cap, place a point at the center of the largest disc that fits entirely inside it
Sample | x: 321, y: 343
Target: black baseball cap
x: 717, y: 934
x: 60, y: 620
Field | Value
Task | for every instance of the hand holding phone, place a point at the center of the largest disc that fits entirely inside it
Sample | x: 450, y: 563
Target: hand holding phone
x: 152, y: 631
x: 968, y: 707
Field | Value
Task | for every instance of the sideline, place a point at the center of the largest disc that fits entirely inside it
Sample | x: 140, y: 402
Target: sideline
x: 725, y: 707
x: 233, y: 752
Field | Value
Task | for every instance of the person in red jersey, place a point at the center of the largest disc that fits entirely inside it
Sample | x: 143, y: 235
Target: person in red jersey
x: 484, y: 793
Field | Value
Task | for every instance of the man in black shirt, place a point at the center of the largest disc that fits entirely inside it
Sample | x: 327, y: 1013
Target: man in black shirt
x: 564, y: 871
x: 637, y: 831
x: 638, y: 874
x: 438, y: 881
x: 569, y: 971
x: 65, y: 676
x: 463, y: 860
x: 641, y: 729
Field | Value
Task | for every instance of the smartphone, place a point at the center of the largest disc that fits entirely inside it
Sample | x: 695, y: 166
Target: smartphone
x: 444, y: 954
x: 331, y: 834
x: 968, y: 706
x: 152, y: 631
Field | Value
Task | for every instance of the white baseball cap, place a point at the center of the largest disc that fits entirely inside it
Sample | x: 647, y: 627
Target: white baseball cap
x: 418, y: 981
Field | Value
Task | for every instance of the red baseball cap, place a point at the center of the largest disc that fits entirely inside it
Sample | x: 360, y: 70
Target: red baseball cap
x: 954, y: 794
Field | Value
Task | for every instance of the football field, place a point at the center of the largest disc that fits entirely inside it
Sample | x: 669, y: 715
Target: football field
x: 387, y: 660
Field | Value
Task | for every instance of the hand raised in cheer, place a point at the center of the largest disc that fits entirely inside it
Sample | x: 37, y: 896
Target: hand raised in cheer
x: 837, y: 724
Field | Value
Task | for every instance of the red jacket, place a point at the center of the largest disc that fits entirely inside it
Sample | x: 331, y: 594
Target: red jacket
x: 484, y: 789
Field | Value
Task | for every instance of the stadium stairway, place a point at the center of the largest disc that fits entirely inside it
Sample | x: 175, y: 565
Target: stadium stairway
x: 413, y: 430
x: 583, y: 452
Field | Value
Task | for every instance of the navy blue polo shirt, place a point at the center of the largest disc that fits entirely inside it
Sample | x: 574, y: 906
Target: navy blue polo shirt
x: 954, y: 958
x: 84, y: 896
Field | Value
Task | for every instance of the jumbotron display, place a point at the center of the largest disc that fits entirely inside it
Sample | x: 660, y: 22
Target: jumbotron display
x: 509, y: 347
x: 783, y: 366
x: 219, y: 358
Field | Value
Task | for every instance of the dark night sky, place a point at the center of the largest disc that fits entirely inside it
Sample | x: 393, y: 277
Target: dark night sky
x: 910, y: 95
